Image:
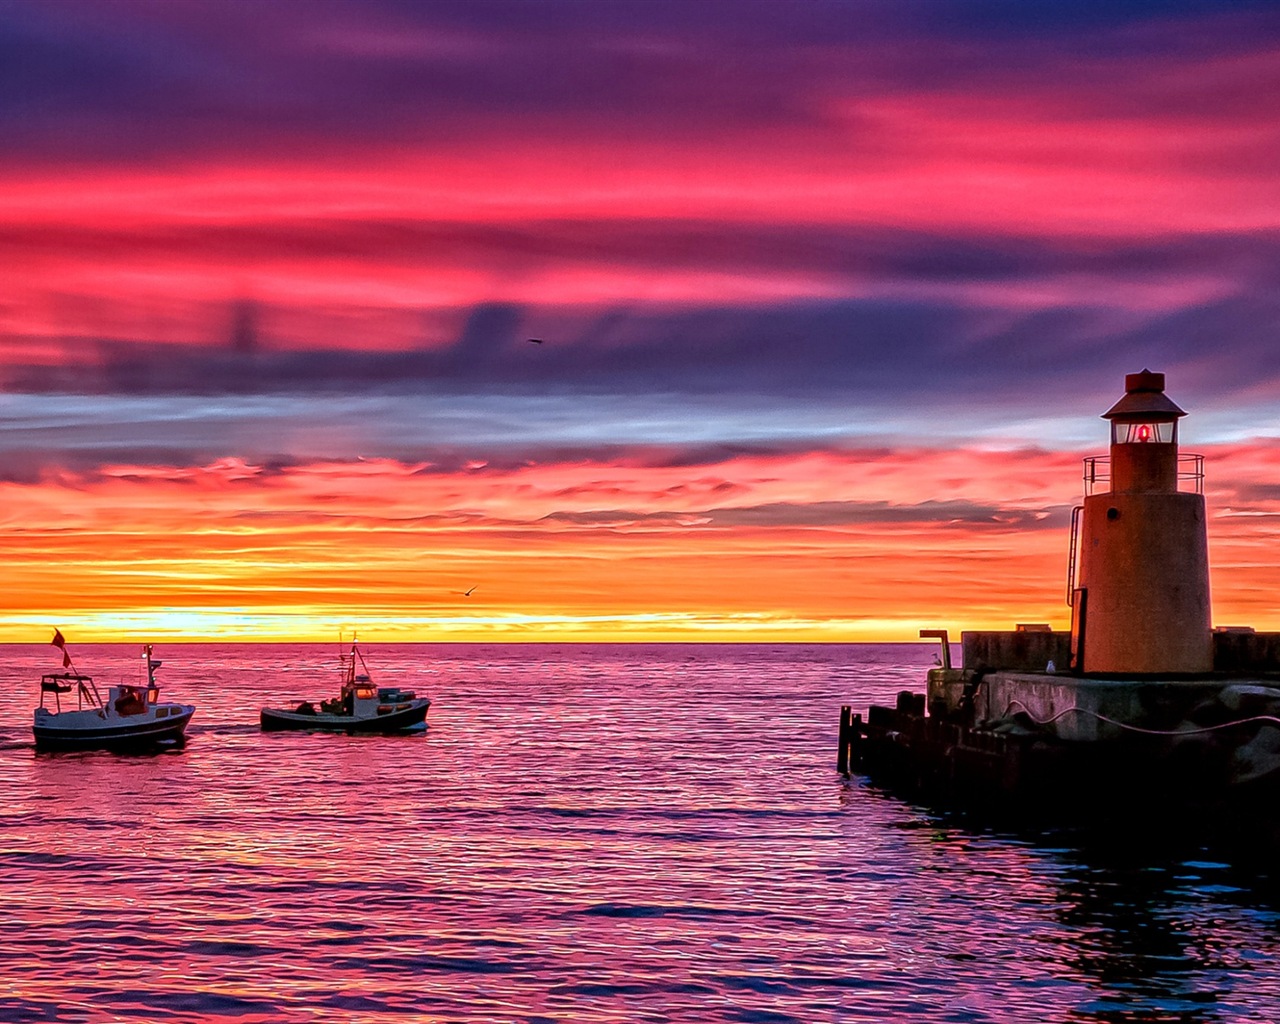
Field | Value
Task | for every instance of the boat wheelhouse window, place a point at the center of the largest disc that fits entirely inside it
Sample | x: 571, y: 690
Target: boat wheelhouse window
x: 365, y: 692
x: 130, y: 702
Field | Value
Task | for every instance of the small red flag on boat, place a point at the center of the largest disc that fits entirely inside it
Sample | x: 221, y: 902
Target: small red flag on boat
x: 59, y: 642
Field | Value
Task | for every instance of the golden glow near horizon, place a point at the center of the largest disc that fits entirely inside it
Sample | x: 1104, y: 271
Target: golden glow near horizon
x: 852, y: 547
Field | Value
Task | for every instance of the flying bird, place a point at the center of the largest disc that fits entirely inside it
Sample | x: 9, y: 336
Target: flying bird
x: 535, y: 341
x: 467, y: 593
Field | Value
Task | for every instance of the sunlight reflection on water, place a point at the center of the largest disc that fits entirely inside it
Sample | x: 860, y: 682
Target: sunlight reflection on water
x: 596, y: 834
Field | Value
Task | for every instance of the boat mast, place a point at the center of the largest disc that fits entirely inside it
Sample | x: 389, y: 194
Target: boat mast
x: 347, y: 659
x: 153, y: 690
x: 355, y: 653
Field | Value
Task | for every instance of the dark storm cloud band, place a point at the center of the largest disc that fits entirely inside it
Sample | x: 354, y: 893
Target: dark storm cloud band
x: 88, y: 80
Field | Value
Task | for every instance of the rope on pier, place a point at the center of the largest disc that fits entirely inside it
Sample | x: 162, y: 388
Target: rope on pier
x: 1272, y: 719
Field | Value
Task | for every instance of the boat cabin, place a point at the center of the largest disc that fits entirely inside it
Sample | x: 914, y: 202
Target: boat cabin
x: 132, y: 700
x: 360, y: 697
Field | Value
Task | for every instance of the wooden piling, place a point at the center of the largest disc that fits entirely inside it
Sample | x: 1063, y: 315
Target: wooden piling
x: 845, y: 748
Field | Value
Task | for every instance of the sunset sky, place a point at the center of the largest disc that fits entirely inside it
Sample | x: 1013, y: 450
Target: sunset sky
x: 830, y: 296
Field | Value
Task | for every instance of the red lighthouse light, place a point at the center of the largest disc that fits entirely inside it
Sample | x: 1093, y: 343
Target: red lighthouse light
x: 1149, y: 431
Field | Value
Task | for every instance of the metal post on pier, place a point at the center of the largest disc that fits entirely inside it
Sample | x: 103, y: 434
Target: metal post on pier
x: 939, y: 634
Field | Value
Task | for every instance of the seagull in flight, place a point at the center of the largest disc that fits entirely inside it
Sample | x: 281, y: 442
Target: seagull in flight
x: 467, y: 593
x: 535, y: 341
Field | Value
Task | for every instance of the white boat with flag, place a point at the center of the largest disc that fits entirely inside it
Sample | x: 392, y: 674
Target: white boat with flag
x: 131, y: 715
x: 361, y: 705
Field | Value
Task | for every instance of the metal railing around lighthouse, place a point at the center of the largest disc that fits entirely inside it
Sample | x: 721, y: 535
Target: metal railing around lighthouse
x: 1097, y: 480
x: 1097, y: 474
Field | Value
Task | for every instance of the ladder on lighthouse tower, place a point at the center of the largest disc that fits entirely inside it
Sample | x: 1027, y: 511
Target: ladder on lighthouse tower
x: 1071, y: 555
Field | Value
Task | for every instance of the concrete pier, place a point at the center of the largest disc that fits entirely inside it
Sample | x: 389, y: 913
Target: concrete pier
x: 1141, y: 704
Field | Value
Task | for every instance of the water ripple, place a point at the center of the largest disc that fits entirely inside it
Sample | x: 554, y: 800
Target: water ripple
x: 607, y: 835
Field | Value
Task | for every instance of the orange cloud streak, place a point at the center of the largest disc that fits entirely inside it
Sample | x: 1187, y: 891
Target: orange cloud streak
x: 832, y: 546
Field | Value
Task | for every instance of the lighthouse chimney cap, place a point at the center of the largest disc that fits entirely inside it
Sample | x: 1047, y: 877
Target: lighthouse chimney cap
x: 1144, y: 398
x: 1146, y: 380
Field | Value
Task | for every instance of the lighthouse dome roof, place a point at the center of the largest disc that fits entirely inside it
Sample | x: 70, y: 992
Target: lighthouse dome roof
x: 1144, y: 399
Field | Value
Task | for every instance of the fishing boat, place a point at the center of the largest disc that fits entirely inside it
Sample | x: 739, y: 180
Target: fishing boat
x: 361, y: 706
x: 131, y: 716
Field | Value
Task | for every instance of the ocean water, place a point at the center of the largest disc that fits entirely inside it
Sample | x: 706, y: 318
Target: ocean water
x: 584, y: 833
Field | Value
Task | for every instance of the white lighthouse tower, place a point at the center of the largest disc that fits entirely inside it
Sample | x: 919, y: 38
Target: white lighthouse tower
x: 1141, y: 602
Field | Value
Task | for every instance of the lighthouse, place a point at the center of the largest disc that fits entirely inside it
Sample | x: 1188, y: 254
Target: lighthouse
x: 1140, y: 604
x: 1160, y: 715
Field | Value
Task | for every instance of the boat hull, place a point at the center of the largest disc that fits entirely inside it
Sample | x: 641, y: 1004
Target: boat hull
x: 112, y: 735
x: 278, y: 719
